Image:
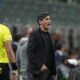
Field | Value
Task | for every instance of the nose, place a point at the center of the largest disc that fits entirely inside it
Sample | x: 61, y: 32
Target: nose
x: 49, y: 20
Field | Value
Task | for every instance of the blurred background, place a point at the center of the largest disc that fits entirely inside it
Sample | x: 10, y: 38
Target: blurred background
x: 65, y: 14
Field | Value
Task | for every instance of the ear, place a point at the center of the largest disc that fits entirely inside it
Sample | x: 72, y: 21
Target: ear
x: 40, y: 22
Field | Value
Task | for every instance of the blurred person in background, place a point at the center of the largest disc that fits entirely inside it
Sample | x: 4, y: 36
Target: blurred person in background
x: 16, y: 37
x: 60, y: 52
x: 74, y: 56
x: 15, y: 42
x: 71, y: 40
x: 41, y: 58
x: 21, y: 55
x: 75, y: 53
x: 63, y: 71
x: 69, y: 69
x: 57, y: 37
x: 7, y: 55
x: 78, y: 38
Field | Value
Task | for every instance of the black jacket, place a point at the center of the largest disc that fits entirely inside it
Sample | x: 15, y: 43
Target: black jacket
x: 36, y: 51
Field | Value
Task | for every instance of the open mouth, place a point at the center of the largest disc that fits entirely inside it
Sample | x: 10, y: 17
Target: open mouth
x: 48, y: 24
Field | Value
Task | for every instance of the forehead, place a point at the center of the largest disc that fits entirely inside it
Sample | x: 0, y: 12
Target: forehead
x: 47, y: 17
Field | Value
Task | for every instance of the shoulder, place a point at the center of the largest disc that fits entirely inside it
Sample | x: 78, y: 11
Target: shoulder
x: 4, y: 27
x: 35, y: 33
x: 5, y: 33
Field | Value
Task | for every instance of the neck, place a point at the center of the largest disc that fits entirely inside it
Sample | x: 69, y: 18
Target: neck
x: 44, y: 30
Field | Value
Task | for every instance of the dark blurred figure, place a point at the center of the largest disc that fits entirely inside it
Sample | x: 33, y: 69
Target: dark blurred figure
x: 70, y: 40
x: 41, y: 58
x: 60, y: 51
x: 57, y: 37
x: 14, y: 30
x: 16, y: 39
x: 78, y: 38
x: 74, y: 56
x: 75, y: 53
x: 63, y: 71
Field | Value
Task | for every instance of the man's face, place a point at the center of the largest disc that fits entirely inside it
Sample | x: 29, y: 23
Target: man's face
x: 46, y: 22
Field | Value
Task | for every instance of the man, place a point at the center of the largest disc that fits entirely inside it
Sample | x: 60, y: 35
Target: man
x: 63, y: 70
x: 21, y: 56
x: 41, y: 58
x: 6, y: 55
x: 60, y: 52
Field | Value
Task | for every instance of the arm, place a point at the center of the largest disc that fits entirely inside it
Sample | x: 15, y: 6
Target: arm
x: 11, y: 58
x: 18, y: 57
x: 7, y: 38
x: 9, y: 51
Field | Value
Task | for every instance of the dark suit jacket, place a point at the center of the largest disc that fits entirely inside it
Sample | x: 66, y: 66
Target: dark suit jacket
x: 36, y: 51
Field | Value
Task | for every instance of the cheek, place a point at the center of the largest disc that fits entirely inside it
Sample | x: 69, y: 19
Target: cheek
x: 46, y: 22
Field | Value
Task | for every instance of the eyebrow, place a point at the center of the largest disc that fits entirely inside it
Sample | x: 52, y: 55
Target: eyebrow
x: 47, y: 18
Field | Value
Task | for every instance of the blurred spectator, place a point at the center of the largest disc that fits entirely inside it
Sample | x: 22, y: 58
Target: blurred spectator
x: 70, y: 40
x: 16, y: 39
x: 14, y: 31
x: 78, y: 38
x: 75, y: 53
x: 57, y: 37
x: 67, y: 69
x: 60, y: 51
x: 21, y: 55
x: 63, y: 71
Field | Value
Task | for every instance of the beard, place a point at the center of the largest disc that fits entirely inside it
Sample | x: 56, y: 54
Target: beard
x: 47, y: 27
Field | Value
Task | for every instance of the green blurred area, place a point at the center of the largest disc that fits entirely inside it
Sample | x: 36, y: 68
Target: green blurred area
x: 25, y: 12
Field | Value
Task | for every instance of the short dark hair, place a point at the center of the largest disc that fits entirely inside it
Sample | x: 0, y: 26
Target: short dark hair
x: 59, y: 45
x: 75, y: 51
x: 41, y: 16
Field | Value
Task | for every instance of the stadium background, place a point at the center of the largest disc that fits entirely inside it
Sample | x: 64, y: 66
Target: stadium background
x: 65, y: 14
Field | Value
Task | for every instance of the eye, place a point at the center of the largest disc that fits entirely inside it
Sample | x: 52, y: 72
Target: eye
x: 47, y: 18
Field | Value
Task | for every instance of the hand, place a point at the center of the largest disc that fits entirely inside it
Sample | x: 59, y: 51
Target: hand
x: 43, y: 68
x: 14, y: 75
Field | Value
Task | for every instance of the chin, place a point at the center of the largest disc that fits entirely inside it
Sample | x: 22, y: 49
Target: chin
x: 46, y: 28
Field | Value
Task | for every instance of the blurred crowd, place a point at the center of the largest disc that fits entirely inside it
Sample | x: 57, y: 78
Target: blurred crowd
x: 67, y: 57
